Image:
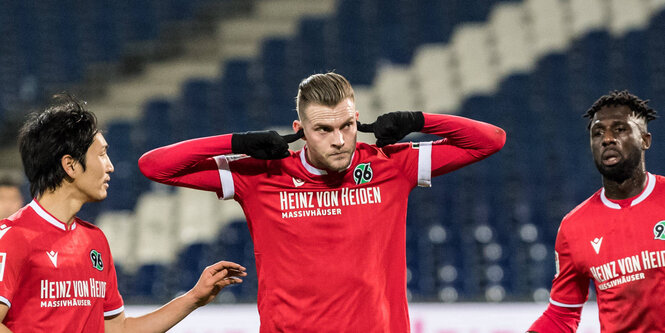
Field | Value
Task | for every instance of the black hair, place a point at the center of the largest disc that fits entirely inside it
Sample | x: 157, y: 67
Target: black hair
x: 623, y: 97
x: 65, y: 127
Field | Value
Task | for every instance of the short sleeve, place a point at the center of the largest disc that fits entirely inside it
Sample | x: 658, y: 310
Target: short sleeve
x: 13, y: 253
x: 113, y: 303
x: 570, y: 287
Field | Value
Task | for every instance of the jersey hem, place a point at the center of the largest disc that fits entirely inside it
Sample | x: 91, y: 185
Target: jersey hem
x: 6, y: 301
x: 564, y: 305
x: 114, y: 312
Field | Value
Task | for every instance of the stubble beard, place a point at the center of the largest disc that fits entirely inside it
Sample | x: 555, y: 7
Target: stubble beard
x: 623, y: 170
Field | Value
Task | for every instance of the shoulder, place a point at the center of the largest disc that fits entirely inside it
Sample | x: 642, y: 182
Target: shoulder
x: 660, y: 179
x: 89, y: 228
x: 16, y: 228
x: 388, y: 151
x: 581, y: 211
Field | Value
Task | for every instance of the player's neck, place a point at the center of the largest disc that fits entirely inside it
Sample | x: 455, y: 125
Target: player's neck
x: 627, y: 188
x: 61, y: 203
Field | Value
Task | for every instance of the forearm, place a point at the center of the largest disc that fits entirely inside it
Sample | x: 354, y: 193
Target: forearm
x: 163, y: 318
x: 465, y: 141
x: 4, y: 329
x: 557, y: 319
x: 187, y: 163
x: 478, y: 138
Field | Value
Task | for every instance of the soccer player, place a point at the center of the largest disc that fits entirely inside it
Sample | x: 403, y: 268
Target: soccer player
x: 617, y: 236
x: 11, y: 199
x: 56, y: 271
x: 327, y: 221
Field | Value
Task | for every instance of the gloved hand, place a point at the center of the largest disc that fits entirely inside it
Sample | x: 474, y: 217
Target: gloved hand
x: 264, y: 145
x: 394, y: 126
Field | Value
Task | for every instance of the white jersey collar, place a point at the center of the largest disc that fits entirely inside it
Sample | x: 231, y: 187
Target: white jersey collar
x: 48, y: 217
x: 651, y: 184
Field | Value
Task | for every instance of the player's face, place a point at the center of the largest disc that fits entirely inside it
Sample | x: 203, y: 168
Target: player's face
x: 618, y: 141
x: 11, y: 200
x: 330, y: 133
x: 93, y: 182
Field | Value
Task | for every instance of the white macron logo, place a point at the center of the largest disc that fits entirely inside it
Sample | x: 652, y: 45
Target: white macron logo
x: 54, y: 258
x: 298, y: 182
x: 3, y: 229
x: 596, y: 244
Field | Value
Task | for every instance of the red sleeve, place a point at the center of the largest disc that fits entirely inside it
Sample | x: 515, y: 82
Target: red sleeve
x: 13, y: 255
x: 113, y: 303
x: 464, y: 141
x: 557, y: 319
x: 570, y: 290
x: 188, y: 163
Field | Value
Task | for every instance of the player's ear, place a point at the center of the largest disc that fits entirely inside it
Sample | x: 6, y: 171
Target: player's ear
x: 68, y: 164
x: 297, y: 126
x: 646, y: 140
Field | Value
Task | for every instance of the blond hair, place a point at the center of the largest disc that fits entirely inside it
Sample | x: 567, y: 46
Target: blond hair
x: 327, y: 89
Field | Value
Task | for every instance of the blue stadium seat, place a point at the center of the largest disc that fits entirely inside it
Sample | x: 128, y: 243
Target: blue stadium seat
x: 192, y: 260
x: 151, y: 284
x: 233, y: 96
x: 309, y: 55
x: 234, y: 243
x: 126, y: 181
x: 155, y: 128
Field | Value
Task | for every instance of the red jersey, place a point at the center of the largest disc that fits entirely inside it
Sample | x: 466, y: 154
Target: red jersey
x: 330, y: 248
x: 620, y: 245
x: 55, y: 278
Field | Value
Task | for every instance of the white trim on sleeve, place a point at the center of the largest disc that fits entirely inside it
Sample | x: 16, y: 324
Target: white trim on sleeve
x: 425, y: 164
x: 564, y: 305
x: 225, y: 176
x: 6, y: 301
x: 114, y: 312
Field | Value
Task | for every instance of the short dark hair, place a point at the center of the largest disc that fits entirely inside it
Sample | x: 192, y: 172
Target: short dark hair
x: 325, y: 89
x: 622, y: 98
x: 65, y: 127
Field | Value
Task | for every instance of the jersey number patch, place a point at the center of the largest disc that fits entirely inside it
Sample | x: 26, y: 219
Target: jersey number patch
x: 96, y: 258
x: 659, y: 230
x: 362, y: 174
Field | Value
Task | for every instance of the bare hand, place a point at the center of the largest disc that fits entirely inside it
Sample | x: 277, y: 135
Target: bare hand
x: 214, y: 278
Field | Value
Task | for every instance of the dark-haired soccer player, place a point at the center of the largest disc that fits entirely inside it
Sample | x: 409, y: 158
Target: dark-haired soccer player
x: 328, y: 221
x: 616, y: 237
x: 56, y: 271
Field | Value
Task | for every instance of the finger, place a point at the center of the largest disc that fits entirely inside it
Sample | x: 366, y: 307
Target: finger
x: 221, y: 265
x: 293, y: 137
x: 366, y: 128
x: 227, y: 282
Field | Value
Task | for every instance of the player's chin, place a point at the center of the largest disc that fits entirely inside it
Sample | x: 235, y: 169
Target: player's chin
x: 339, y: 162
x: 100, y: 196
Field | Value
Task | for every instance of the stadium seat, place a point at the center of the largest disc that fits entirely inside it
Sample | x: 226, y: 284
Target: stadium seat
x: 195, y: 216
x: 471, y: 49
x: 120, y: 228
x: 547, y: 26
x: 394, y: 89
x: 156, y: 229
x: 435, y: 77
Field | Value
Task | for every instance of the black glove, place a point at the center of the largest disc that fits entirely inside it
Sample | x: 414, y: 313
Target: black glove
x: 264, y: 145
x: 394, y: 126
